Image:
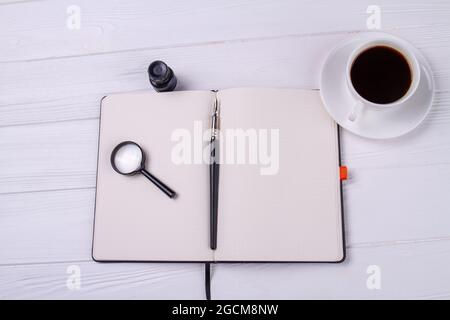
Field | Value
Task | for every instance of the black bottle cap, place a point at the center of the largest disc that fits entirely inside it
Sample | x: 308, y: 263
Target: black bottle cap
x: 161, y: 76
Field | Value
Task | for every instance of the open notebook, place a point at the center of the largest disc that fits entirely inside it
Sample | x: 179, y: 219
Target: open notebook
x: 286, y: 207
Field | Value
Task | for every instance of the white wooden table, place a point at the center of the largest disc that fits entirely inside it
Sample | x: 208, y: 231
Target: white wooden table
x: 397, y: 202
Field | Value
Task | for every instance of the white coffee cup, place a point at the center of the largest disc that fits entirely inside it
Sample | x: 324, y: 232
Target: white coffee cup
x: 360, y: 103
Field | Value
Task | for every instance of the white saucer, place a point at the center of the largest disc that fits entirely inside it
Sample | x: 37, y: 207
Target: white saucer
x: 375, y: 124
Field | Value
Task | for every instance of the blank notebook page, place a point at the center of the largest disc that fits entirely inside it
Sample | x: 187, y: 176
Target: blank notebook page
x: 294, y: 214
x: 134, y: 220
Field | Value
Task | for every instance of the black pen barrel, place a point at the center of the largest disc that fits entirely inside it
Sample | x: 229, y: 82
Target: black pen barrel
x: 214, y: 193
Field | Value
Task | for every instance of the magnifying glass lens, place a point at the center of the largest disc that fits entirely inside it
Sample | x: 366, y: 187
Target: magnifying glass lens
x: 128, y: 158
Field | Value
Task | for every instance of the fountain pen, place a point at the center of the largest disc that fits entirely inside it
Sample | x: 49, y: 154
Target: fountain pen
x: 214, y: 175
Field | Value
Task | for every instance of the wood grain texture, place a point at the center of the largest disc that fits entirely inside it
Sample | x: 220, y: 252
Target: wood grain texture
x: 130, y: 25
x: 71, y: 88
x: 104, y: 281
x: 406, y: 273
x: 397, y: 212
x: 57, y: 225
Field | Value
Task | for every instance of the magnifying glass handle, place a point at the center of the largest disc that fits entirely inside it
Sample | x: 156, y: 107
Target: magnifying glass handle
x: 164, y: 188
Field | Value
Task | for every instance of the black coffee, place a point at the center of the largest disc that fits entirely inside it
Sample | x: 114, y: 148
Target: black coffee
x: 381, y: 74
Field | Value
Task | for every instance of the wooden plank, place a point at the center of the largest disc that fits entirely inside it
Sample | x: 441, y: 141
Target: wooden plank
x: 46, y: 226
x: 396, y: 204
x: 119, y: 26
x: 405, y: 273
x: 103, y: 281
x: 71, y: 88
x: 48, y: 156
x: 68, y: 89
x: 408, y: 271
x: 382, y: 206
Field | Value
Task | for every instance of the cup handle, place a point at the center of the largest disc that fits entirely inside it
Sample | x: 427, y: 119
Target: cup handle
x: 356, y: 111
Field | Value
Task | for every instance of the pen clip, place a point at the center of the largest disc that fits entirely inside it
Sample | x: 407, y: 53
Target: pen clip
x: 215, y: 125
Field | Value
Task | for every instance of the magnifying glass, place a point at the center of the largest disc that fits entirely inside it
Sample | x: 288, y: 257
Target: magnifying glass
x: 128, y: 158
